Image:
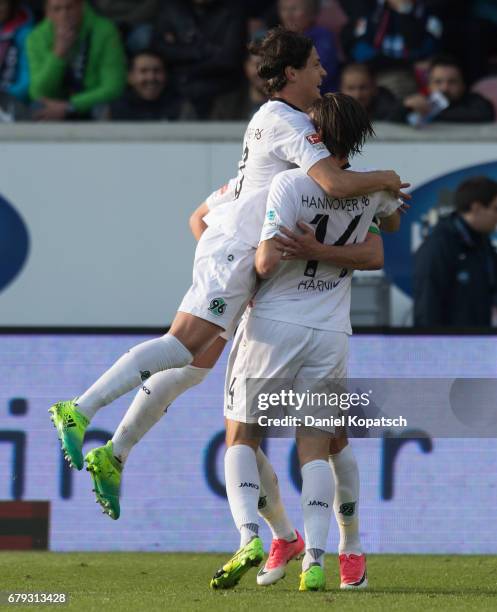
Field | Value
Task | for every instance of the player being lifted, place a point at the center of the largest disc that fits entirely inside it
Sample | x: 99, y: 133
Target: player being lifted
x: 279, y: 136
x: 298, y: 331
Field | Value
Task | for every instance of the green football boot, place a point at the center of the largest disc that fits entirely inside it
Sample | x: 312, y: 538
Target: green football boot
x: 246, y: 557
x: 312, y: 579
x: 71, y: 427
x: 105, y: 471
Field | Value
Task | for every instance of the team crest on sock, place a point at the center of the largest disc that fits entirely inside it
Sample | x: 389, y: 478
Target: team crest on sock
x: 347, y: 509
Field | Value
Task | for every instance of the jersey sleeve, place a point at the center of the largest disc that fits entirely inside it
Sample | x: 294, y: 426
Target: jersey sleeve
x: 281, y: 207
x: 388, y: 205
x: 295, y: 140
x: 224, y: 194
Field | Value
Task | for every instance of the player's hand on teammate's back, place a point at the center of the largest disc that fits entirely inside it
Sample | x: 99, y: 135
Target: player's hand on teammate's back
x: 299, y: 246
x: 402, y: 194
x: 394, y: 184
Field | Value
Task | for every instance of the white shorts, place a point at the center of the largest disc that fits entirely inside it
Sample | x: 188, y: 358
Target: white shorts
x: 223, y: 280
x: 276, y: 350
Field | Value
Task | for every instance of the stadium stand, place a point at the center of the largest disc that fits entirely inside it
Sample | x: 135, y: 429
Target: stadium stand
x: 203, y: 43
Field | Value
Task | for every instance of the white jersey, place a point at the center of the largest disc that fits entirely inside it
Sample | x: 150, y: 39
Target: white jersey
x: 226, y: 193
x: 278, y: 137
x: 241, y: 219
x: 315, y: 294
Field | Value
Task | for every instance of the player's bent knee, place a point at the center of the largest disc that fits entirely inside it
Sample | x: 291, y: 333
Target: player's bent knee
x: 242, y: 433
x: 312, y: 447
x: 208, y: 358
x: 196, y: 334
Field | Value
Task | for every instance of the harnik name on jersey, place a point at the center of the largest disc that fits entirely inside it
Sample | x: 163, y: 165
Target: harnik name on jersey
x: 340, y: 421
x: 321, y: 285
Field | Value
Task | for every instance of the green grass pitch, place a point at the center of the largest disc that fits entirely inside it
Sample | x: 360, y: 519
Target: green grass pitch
x: 131, y: 582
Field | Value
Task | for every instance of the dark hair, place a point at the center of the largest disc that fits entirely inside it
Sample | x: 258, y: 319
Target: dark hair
x: 278, y: 49
x: 476, y: 189
x: 13, y: 7
x: 343, y: 123
x: 151, y: 52
x: 447, y: 61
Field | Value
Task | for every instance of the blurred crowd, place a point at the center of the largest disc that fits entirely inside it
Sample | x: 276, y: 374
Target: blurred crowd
x: 406, y: 61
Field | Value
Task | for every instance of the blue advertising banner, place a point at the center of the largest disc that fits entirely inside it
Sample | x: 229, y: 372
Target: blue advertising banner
x: 14, y: 241
x: 419, y: 494
x: 430, y: 200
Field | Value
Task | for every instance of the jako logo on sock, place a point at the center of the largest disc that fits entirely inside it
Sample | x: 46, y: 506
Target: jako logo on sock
x: 316, y: 502
x: 14, y: 238
x: 249, y: 484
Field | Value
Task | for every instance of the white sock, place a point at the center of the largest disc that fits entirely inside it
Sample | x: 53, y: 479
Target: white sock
x: 242, y: 487
x: 317, y: 498
x: 270, y: 505
x: 150, y: 403
x: 135, y: 366
x: 346, y: 504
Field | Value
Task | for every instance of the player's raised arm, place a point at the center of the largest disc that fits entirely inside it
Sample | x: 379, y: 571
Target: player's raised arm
x: 367, y: 255
x: 197, y: 223
x: 345, y: 183
x: 354, y: 256
x: 343, y: 126
x: 220, y: 196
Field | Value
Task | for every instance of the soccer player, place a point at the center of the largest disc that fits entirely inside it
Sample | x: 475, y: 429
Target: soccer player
x: 279, y: 136
x: 298, y: 330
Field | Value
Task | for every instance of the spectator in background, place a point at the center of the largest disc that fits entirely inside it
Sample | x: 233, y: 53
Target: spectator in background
x: 256, y: 93
x: 203, y: 42
x: 148, y: 97
x: 358, y: 81
x: 333, y: 17
x: 259, y: 9
x: 134, y: 19
x: 15, y: 25
x: 391, y: 36
x: 445, y: 77
x: 482, y: 56
x: 455, y: 276
x: 262, y: 15
x: 300, y: 16
x: 252, y: 93
x: 37, y: 7
x: 76, y: 61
